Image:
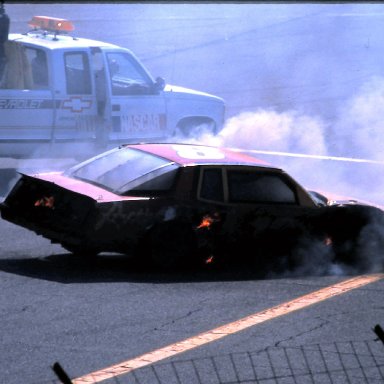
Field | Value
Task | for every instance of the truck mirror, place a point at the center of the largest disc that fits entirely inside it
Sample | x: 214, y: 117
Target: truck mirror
x: 159, y: 84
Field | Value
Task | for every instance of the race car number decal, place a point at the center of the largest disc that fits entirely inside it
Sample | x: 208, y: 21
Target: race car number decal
x: 194, y: 153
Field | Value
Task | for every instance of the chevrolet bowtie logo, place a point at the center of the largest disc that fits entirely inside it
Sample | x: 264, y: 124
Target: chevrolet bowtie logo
x: 76, y: 104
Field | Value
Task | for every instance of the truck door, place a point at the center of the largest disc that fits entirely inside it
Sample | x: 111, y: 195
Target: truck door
x: 137, y: 109
x: 26, y: 99
x: 76, y: 114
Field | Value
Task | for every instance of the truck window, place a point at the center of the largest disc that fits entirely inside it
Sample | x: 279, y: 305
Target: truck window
x: 77, y: 73
x: 127, y: 76
x: 17, y: 72
x: 38, y: 61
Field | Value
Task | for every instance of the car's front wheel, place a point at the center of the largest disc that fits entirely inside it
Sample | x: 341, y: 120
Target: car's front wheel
x: 357, y: 235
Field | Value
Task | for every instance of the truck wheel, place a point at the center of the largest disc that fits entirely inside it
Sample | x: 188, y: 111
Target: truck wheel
x: 195, y: 127
x: 170, y: 245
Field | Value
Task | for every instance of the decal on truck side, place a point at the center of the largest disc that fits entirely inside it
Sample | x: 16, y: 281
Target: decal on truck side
x: 76, y: 104
x: 136, y: 123
x: 28, y: 104
x: 143, y: 122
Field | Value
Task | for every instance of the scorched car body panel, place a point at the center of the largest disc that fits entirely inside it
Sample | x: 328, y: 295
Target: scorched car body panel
x: 171, y: 204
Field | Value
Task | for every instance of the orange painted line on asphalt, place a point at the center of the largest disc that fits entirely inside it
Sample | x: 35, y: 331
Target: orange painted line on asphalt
x: 228, y: 329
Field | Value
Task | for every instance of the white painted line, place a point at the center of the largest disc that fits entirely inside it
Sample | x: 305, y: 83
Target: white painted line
x: 228, y: 329
x: 308, y: 156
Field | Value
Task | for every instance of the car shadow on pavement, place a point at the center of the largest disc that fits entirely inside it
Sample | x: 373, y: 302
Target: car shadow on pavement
x: 66, y: 268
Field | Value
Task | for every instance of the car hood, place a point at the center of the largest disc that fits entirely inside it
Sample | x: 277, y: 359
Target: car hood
x: 336, y: 199
x: 96, y: 193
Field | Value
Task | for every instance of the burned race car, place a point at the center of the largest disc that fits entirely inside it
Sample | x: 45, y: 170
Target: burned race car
x: 184, y: 204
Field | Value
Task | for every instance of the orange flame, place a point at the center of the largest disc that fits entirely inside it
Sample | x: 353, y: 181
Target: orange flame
x: 209, y: 260
x: 48, y: 202
x: 205, y: 222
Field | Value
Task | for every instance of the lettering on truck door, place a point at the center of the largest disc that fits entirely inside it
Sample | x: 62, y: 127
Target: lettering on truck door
x: 26, y: 100
x: 138, y: 109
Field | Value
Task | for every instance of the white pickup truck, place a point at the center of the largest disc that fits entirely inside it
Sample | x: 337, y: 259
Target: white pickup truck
x: 55, y: 88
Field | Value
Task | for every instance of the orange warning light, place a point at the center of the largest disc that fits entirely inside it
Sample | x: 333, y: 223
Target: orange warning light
x: 51, y: 24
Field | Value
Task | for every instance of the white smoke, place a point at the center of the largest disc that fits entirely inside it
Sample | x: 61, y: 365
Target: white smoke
x: 360, y: 126
x: 356, y: 135
x: 353, y: 142
x: 269, y: 130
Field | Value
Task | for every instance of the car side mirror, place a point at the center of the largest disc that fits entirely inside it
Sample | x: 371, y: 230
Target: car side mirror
x: 159, y: 84
x: 319, y: 198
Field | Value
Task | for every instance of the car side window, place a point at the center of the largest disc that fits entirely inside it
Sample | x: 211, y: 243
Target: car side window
x: 212, y: 185
x: 77, y: 73
x: 259, y: 187
x: 153, y: 183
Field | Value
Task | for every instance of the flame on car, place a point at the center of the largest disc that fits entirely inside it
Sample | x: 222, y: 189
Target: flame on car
x: 208, y: 220
x: 46, y: 201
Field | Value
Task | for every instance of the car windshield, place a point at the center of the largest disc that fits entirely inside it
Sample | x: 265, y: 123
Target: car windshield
x: 118, y: 168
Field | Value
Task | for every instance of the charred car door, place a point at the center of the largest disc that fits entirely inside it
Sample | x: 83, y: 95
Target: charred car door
x: 261, y: 212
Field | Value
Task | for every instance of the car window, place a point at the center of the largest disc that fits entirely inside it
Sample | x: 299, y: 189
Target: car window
x: 117, y: 168
x: 152, y: 183
x: 259, y: 187
x: 212, y: 185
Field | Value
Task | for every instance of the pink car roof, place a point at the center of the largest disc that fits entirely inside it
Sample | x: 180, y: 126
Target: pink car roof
x: 179, y: 153
x: 188, y: 154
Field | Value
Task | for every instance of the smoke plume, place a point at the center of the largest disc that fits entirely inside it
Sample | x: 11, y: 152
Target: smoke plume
x: 345, y: 158
x: 345, y: 155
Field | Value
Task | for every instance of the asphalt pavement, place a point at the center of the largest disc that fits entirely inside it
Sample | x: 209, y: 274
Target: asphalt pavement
x: 110, y: 312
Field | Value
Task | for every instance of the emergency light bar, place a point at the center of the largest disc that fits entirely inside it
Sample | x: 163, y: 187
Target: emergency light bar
x: 52, y: 24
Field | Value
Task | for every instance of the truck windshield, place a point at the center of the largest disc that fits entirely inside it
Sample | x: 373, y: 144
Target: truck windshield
x: 118, y: 168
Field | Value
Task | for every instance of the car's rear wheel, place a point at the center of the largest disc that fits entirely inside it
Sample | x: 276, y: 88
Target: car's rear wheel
x: 81, y: 251
x: 170, y: 245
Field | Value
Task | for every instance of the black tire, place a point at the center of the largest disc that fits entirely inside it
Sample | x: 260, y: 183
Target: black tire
x: 358, y: 238
x: 170, y: 245
x: 81, y: 251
